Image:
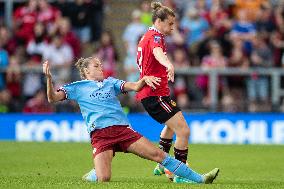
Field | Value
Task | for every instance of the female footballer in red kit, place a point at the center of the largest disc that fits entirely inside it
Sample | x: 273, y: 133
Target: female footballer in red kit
x: 152, y: 60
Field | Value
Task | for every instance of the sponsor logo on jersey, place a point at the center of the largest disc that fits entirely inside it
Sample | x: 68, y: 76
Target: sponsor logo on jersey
x: 157, y: 39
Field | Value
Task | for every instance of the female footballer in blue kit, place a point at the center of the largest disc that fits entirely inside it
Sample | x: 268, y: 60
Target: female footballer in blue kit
x: 108, y: 126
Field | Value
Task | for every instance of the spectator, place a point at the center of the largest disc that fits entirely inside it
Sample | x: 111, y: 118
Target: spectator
x: 257, y: 86
x: 2, y: 14
x: 69, y: 37
x: 14, y: 77
x: 4, y: 61
x: 60, y: 56
x: 62, y: 27
x: 215, y: 60
x: 36, y: 48
x: 170, y: 3
x: 146, y: 15
x: 5, y: 101
x: 201, y: 7
x: 107, y: 54
x: 8, y: 41
x: 133, y: 32
x: 38, y: 104
x: 183, y: 5
x: 195, y: 28
x: 277, y: 37
x: 252, y: 7
x: 277, y: 40
x: 243, y: 30
x: 31, y: 77
x: 180, y: 61
x: 265, y: 24
x: 131, y: 35
x: 25, y: 18
x: 38, y: 44
x: 218, y: 18
x: 47, y: 14
x: 237, y: 59
x: 278, y: 14
x: 96, y: 8
x: 79, y: 18
x: 235, y: 84
x: 64, y: 7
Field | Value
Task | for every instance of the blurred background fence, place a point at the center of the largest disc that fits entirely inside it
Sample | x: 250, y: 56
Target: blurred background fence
x: 274, y: 75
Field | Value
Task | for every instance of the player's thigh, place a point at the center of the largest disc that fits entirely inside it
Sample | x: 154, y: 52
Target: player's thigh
x: 145, y: 149
x: 103, y: 165
x: 178, y: 124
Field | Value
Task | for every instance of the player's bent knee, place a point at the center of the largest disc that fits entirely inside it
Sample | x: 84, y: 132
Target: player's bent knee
x: 183, y: 132
x: 187, y: 131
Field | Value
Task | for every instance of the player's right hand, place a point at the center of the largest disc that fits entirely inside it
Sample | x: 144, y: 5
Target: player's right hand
x: 45, y: 69
x: 171, y: 73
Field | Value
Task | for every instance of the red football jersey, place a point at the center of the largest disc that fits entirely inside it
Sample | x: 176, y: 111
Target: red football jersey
x: 149, y: 66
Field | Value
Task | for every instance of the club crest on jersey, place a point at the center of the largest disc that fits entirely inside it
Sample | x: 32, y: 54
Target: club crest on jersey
x: 100, y: 84
x: 157, y: 39
x: 173, y: 103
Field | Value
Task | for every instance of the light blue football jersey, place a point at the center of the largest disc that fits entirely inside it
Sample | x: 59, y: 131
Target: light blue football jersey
x: 98, y: 102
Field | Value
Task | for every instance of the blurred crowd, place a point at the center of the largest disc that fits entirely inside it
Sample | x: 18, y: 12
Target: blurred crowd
x: 218, y: 34
x: 60, y: 32
x: 209, y: 34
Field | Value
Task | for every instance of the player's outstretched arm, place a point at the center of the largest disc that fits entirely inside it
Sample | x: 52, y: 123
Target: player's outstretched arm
x: 137, y: 86
x: 163, y: 59
x: 52, y: 96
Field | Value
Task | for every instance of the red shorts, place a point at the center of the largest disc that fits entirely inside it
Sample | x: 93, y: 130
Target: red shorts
x: 117, y: 138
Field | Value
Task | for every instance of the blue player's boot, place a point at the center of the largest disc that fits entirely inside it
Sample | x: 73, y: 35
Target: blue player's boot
x: 90, y: 176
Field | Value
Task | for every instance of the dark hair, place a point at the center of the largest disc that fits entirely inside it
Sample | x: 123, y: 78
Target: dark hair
x: 160, y: 11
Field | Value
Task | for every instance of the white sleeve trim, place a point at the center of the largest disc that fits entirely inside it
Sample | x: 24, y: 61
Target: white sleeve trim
x: 122, y: 87
x: 64, y: 90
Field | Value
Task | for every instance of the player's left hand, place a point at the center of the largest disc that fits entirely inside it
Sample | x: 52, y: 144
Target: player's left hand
x: 152, y: 81
x: 46, y: 69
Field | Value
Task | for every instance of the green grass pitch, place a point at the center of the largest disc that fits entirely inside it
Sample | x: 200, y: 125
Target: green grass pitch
x: 61, y: 165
